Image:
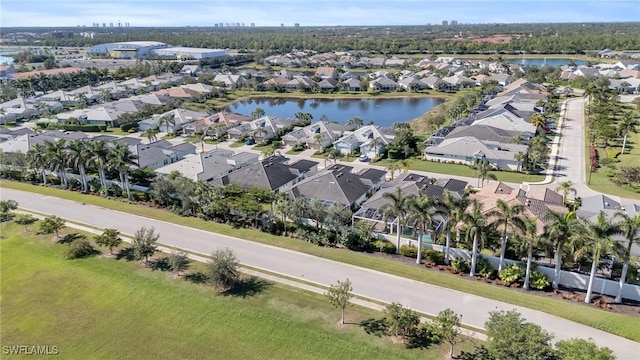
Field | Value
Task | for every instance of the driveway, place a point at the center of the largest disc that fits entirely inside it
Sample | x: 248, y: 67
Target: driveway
x: 422, y: 297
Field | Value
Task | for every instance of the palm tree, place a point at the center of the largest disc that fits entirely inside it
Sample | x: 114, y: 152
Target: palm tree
x: 200, y: 138
x: 566, y: 187
x: 393, y: 167
x: 530, y: 239
x: 594, y: 238
x: 257, y: 113
x: 151, y: 134
x: 518, y: 139
x: 57, y: 158
x: 628, y: 124
x: 259, y: 133
x: 38, y: 157
x: 507, y: 216
x: 397, y: 209
x: 484, y: 170
x: 455, y: 208
x: 404, y: 165
x: 519, y: 157
x: 317, y: 139
x: 630, y: 227
x: 477, y: 228
x: 121, y: 160
x: 78, y: 153
x: 422, y: 209
x: 538, y: 120
x: 557, y: 228
x: 99, y: 157
x: 168, y: 121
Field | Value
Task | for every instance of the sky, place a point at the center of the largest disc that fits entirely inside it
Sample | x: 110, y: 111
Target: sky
x: 15, y: 13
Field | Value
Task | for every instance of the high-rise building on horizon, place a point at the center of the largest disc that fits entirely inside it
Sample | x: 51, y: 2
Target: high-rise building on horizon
x: 445, y: 22
x: 454, y: 22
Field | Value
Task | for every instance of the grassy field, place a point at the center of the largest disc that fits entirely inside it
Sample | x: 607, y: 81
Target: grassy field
x: 113, y: 309
x: 462, y: 170
x: 626, y: 326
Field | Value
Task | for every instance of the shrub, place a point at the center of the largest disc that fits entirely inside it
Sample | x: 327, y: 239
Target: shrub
x: 129, y: 126
x: 461, y: 265
x: 409, y: 251
x: 433, y: 256
x: 384, y: 246
x: 538, y: 281
x: 512, y: 273
x: 80, y: 249
x: 484, y: 268
x: 139, y: 196
x: 613, y: 153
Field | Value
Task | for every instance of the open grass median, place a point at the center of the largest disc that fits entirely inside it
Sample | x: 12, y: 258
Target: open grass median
x: 102, y: 308
x: 623, y: 325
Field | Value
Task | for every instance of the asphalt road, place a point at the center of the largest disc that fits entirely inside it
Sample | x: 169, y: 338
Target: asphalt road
x: 372, y: 284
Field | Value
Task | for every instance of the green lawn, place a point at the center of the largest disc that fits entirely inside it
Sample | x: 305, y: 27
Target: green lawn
x: 236, y: 144
x: 600, y: 182
x: 627, y: 326
x: 102, y: 308
x: 462, y: 170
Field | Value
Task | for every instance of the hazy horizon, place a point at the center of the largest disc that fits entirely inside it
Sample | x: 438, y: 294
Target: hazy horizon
x: 273, y: 13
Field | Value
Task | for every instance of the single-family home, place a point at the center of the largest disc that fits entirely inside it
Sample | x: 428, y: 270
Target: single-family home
x: 383, y: 84
x: 229, y: 81
x: 191, y: 70
x: 327, y: 72
x: 171, y: 121
x: 466, y: 150
x: 17, y: 109
x: 216, y: 124
x: 261, y: 129
x: 209, y: 165
x: 371, y: 140
x: 318, y: 135
x: 273, y: 173
x: 337, y: 184
x: 161, y: 153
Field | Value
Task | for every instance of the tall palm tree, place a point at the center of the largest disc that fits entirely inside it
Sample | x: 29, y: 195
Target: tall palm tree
x: 100, y: 155
x: 151, y: 134
x: 168, y: 121
x: 519, y: 157
x: 422, y: 209
x: 398, y: 209
x: 260, y: 132
x: 630, y: 227
x: 594, y: 238
x: 518, y: 139
x: 38, y: 157
x: 79, y: 155
x: 566, y: 187
x: 507, y: 216
x: 477, y: 228
x: 121, y: 159
x: 557, y: 228
x: 628, y: 124
x: 538, y: 120
x: 200, y: 137
x: 530, y: 240
x: 484, y: 171
x: 455, y: 208
x: 57, y: 158
x: 393, y: 167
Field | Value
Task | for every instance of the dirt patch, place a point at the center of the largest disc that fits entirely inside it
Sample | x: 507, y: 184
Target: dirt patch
x: 604, y: 302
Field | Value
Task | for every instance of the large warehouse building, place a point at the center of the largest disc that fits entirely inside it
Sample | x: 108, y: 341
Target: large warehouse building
x: 187, y: 53
x: 143, y: 49
x: 127, y: 49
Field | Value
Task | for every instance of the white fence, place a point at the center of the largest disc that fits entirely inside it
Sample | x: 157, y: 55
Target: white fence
x: 567, y: 278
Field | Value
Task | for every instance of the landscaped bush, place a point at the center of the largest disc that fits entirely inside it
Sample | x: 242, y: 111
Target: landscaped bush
x: 433, y: 256
x: 484, y: 268
x: 538, y: 281
x: 460, y: 264
x: 512, y: 273
x: 139, y: 196
x: 80, y: 249
x: 129, y: 126
x: 384, y: 246
x: 409, y: 251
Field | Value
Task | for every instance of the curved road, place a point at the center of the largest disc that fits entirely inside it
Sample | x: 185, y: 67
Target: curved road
x: 422, y: 297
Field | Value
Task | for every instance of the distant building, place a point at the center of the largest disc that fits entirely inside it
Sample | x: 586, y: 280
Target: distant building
x: 454, y: 22
x: 445, y: 23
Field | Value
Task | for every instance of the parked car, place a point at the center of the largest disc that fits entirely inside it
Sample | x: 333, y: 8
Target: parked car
x: 363, y: 158
x: 250, y: 142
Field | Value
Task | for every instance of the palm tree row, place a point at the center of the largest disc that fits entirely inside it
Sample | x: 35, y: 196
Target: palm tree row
x: 78, y: 155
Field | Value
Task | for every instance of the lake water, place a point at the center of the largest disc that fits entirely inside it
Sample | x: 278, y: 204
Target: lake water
x: 6, y: 60
x: 544, y: 62
x: 383, y: 112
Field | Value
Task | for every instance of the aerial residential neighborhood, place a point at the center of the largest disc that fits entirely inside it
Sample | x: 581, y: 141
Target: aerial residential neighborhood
x: 452, y: 190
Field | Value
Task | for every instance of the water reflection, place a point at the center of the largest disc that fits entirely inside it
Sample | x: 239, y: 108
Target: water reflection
x: 383, y: 112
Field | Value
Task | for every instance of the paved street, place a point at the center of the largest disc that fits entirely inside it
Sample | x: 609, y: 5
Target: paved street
x: 375, y: 285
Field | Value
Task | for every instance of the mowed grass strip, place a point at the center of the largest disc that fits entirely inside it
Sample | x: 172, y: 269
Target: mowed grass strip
x: 622, y: 325
x: 102, y: 308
